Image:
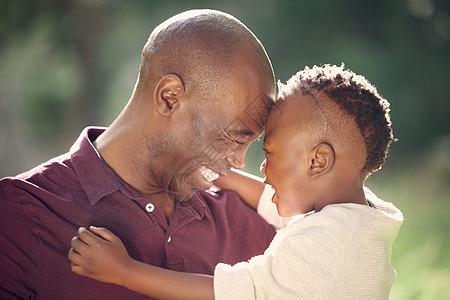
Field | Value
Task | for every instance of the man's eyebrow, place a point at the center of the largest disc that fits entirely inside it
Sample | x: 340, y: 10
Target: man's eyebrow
x: 244, y: 132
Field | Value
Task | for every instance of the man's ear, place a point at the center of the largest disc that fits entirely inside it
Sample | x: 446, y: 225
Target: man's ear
x: 167, y: 94
x: 321, y: 159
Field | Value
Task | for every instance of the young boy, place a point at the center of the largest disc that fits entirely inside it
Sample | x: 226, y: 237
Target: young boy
x: 330, y: 131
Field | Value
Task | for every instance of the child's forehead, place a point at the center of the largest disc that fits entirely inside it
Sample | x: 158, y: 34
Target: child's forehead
x: 299, y: 114
x: 294, y: 106
x: 290, y: 117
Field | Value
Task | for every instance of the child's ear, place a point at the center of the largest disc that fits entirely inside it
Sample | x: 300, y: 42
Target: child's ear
x: 167, y: 94
x: 321, y: 159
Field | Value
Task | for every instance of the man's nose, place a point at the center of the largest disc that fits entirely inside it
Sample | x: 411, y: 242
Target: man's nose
x: 237, y: 158
x: 263, y: 167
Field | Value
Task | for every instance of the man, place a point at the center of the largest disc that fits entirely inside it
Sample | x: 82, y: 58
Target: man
x: 204, y: 89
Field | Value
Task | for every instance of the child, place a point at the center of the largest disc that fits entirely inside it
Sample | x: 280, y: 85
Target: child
x: 329, y: 132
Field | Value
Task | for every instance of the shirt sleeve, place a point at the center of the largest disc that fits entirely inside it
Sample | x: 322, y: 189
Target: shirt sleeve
x: 20, y: 247
x: 268, y: 210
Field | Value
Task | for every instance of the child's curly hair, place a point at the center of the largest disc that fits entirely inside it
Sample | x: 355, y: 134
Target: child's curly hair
x: 355, y: 95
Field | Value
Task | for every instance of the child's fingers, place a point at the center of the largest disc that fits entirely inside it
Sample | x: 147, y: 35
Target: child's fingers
x: 77, y: 269
x: 104, y: 233
x: 74, y: 257
x: 78, y: 264
x: 87, y: 236
x: 78, y: 245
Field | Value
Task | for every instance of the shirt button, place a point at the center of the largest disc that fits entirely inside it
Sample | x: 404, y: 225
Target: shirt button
x: 150, y: 207
x: 169, y: 239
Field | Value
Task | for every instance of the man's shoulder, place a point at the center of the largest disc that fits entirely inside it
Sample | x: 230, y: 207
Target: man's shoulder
x: 226, y: 205
x: 57, y: 171
x: 236, y: 220
x: 228, y: 199
x: 219, y: 195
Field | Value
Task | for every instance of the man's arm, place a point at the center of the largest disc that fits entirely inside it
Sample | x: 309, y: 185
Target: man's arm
x: 101, y: 255
x: 249, y: 187
x: 20, y: 249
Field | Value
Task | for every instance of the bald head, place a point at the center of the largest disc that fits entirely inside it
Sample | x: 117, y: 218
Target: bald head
x: 204, y: 91
x: 202, y: 47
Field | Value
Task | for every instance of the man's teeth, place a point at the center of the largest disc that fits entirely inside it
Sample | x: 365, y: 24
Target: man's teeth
x: 210, y: 175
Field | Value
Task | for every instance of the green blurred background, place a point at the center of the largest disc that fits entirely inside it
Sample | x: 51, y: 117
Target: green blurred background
x: 68, y: 64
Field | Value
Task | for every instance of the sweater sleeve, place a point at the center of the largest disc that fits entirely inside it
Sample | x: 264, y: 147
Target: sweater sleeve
x: 283, y: 272
x: 302, y: 262
x: 233, y: 282
x: 289, y: 269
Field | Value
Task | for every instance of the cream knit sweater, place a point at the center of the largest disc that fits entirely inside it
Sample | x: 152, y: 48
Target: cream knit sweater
x: 341, y: 252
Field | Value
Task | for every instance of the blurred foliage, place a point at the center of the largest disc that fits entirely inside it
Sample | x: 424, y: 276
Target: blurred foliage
x: 70, y: 63
x: 420, y: 253
x: 66, y: 64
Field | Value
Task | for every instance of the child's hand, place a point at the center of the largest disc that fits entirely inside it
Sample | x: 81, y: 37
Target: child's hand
x: 99, y: 254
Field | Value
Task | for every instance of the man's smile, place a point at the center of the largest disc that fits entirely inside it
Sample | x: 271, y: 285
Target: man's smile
x: 209, y: 174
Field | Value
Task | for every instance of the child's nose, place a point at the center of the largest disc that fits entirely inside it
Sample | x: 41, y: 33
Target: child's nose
x: 263, y: 167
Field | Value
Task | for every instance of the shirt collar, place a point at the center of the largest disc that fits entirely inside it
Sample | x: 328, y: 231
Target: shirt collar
x: 96, y: 177
x: 99, y: 180
x: 197, y: 204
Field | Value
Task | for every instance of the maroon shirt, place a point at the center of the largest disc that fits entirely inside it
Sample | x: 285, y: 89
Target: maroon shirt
x: 42, y: 209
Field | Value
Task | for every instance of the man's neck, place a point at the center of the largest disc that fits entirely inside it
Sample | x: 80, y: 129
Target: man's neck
x: 113, y: 149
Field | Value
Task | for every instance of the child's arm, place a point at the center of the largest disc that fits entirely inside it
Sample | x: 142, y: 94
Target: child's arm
x: 249, y: 187
x: 101, y: 255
